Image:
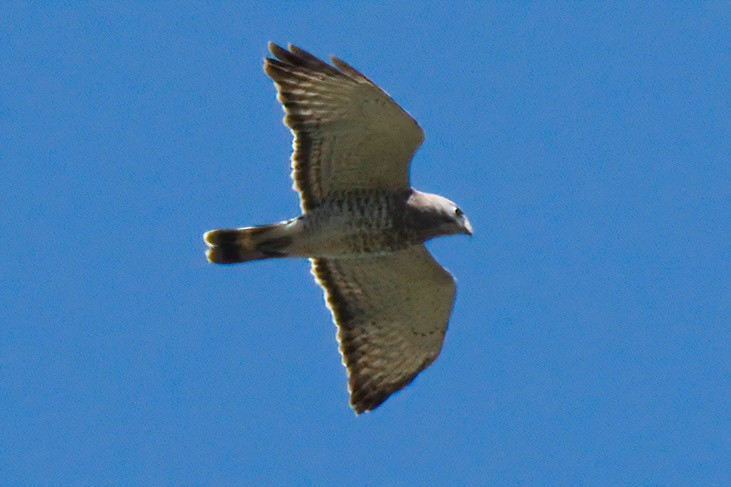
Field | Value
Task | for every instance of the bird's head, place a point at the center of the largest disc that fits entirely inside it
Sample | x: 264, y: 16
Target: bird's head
x: 443, y: 215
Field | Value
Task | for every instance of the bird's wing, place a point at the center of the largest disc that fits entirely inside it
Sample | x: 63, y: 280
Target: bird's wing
x: 392, y: 312
x: 348, y: 133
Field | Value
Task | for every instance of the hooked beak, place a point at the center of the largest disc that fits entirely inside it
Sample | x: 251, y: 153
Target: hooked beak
x: 467, y: 226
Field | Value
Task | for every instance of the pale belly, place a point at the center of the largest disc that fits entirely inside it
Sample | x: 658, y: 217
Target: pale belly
x: 347, y: 234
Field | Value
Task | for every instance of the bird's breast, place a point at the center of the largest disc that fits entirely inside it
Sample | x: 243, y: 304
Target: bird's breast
x: 357, y: 223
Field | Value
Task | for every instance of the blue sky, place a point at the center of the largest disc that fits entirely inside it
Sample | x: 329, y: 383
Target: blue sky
x: 589, y: 345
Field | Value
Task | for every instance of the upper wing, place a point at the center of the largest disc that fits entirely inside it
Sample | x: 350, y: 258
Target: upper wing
x: 348, y: 133
x: 392, y: 313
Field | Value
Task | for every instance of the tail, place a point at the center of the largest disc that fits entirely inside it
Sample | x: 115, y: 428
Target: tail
x: 245, y: 244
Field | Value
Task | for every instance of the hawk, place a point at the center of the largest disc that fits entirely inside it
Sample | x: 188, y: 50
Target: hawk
x: 362, y: 226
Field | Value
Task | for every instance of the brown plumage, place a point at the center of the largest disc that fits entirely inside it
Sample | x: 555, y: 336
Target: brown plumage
x: 362, y: 226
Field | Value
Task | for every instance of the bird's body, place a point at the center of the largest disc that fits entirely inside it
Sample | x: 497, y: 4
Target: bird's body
x: 362, y: 225
x: 345, y: 225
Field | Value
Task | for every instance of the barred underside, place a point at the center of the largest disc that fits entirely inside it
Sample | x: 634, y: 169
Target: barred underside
x: 392, y: 313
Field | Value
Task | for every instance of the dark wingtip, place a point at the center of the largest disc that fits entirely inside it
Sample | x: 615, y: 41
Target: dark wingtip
x: 276, y: 50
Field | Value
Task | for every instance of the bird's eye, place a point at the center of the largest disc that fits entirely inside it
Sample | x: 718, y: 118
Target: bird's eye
x: 458, y: 212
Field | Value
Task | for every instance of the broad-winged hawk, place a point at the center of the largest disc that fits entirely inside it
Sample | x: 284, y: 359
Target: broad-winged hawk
x: 362, y: 224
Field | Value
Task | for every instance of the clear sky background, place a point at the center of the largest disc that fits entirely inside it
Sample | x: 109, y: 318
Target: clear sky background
x: 589, y: 144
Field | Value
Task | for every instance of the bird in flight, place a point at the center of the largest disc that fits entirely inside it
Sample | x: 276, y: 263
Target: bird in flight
x: 362, y: 226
